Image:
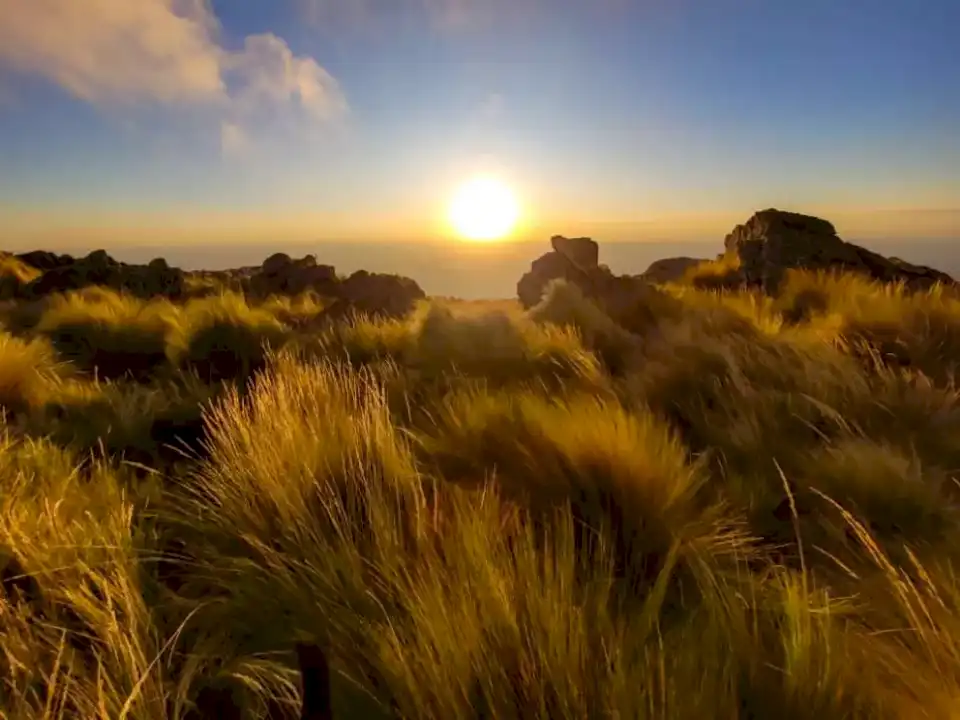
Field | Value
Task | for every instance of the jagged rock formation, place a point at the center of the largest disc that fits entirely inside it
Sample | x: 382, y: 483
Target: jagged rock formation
x: 773, y: 241
x: 669, y: 269
x: 380, y: 293
x: 581, y: 251
x: 61, y: 273
x: 281, y: 275
x: 375, y: 294
x: 44, y: 260
x: 631, y: 301
x: 35, y: 275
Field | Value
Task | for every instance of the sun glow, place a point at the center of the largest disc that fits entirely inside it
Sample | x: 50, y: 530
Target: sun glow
x: 484, y: 209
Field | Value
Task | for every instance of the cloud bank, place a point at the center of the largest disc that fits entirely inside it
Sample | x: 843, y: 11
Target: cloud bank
x: 447, y: 16
x: 129, y: 52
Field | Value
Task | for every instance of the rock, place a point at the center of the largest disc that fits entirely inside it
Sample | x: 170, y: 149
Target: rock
x: 581, y: 251
x: 632, y: 301
x: 44, y: 260
x: 773, y: 241
x: 98, y: 268
x: 281, y: 275
x: 380, y: 294
x: 551, y: 266
x: 276, y: 264
x: 670, y: 269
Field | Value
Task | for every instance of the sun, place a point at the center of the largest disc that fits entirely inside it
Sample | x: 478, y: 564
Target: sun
x: 484, y: 209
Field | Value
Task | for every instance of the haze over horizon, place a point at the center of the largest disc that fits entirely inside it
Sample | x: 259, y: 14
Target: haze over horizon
x: 177, y: 122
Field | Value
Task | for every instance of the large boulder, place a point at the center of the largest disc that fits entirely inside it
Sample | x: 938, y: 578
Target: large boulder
x: 282, y: 275
x: 581, y: 251
x: 630, y: 300
x: 548, y: 267
x: 98, y: 268
x: 670, y: 269
x: 157, y: 279
x: 44, y: 260
x: 276, y: 265
x: 774, y: 241
x: 379, y: 294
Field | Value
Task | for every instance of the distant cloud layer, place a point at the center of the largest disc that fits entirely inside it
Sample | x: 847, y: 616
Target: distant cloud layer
x: 124, y: 52
x: 442, y: 15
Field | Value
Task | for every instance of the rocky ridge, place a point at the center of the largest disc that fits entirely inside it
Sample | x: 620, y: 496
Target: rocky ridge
x: 759, y: 253
x: 40, y: 274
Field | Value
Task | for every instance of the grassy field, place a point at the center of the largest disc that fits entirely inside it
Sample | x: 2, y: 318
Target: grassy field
x: 748, y: 511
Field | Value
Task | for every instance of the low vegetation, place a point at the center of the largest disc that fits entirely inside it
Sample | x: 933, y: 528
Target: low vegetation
x: 219, y: 507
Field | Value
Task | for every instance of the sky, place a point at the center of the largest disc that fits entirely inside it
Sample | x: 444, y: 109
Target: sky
x: 190, y: 121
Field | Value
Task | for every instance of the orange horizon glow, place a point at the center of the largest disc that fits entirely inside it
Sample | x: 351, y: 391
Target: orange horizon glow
x: 28, y: 229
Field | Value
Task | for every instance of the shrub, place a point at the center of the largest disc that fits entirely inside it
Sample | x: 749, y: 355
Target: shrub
x: 916, y: 330
x: 623, y: 475
x: 564, y: 304
x: 14, y: 277
x: 223, y: 338
x: 78, y: 638
x: 300, y: 311
x: 150, y: 424
x: 715, y: 275
x: 28, y: 373
x: 500, y: 350
x: 110, y: 334
x: 360, y: 341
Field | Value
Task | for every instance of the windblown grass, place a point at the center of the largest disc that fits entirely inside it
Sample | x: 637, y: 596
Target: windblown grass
x: 28, y: 372
x: 739, y: 507
x: 222, y: 337
x: 109, y: 334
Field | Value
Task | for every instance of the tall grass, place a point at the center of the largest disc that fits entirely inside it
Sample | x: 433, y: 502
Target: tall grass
x: 718, y: 504
x: 222, y: 337
x: 78, y: 639
x: 15, y: 276
x: 110, y: 334
x: 28, y: 373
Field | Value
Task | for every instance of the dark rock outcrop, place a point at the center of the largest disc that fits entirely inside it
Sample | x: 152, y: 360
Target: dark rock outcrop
x: 669, y: 269
x: 44, y: 260
x: 63, y: 273
x: 373, y: 294
x: 630, y: 300
x: 282, y: 275
x: 581, y: 251
x: 379, y: 294
x: 774, y: 241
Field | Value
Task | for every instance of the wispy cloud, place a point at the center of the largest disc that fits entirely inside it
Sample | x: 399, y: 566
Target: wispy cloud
x: 448, y: 16
x: 126, y: 52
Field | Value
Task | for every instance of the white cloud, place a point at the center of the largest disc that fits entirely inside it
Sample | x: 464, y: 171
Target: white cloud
x: 233, y: 139
x: 121, y: 52
x: 268, y: 73
x: 447, y: 16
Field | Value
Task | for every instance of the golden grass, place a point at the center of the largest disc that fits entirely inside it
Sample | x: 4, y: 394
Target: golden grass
x: 748, y: 510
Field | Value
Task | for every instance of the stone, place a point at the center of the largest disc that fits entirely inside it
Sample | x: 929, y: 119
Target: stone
x: 276, y: 264
x: 581, y: 251
x: 157, y: 279
x: 670, y: 269
x: 380, y: 294
x: 551, y: 266
x: 631, y: 301
x: 44, y: 260
x: 774, y: 241
x: 282, y: 275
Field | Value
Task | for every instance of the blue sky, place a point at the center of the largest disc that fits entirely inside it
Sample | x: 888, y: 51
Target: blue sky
x: 251, y: 119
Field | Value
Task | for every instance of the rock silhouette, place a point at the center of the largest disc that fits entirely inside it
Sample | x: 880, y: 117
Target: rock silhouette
x: 630, y: 300
x: 670, y: 269
x: 773, y: 241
